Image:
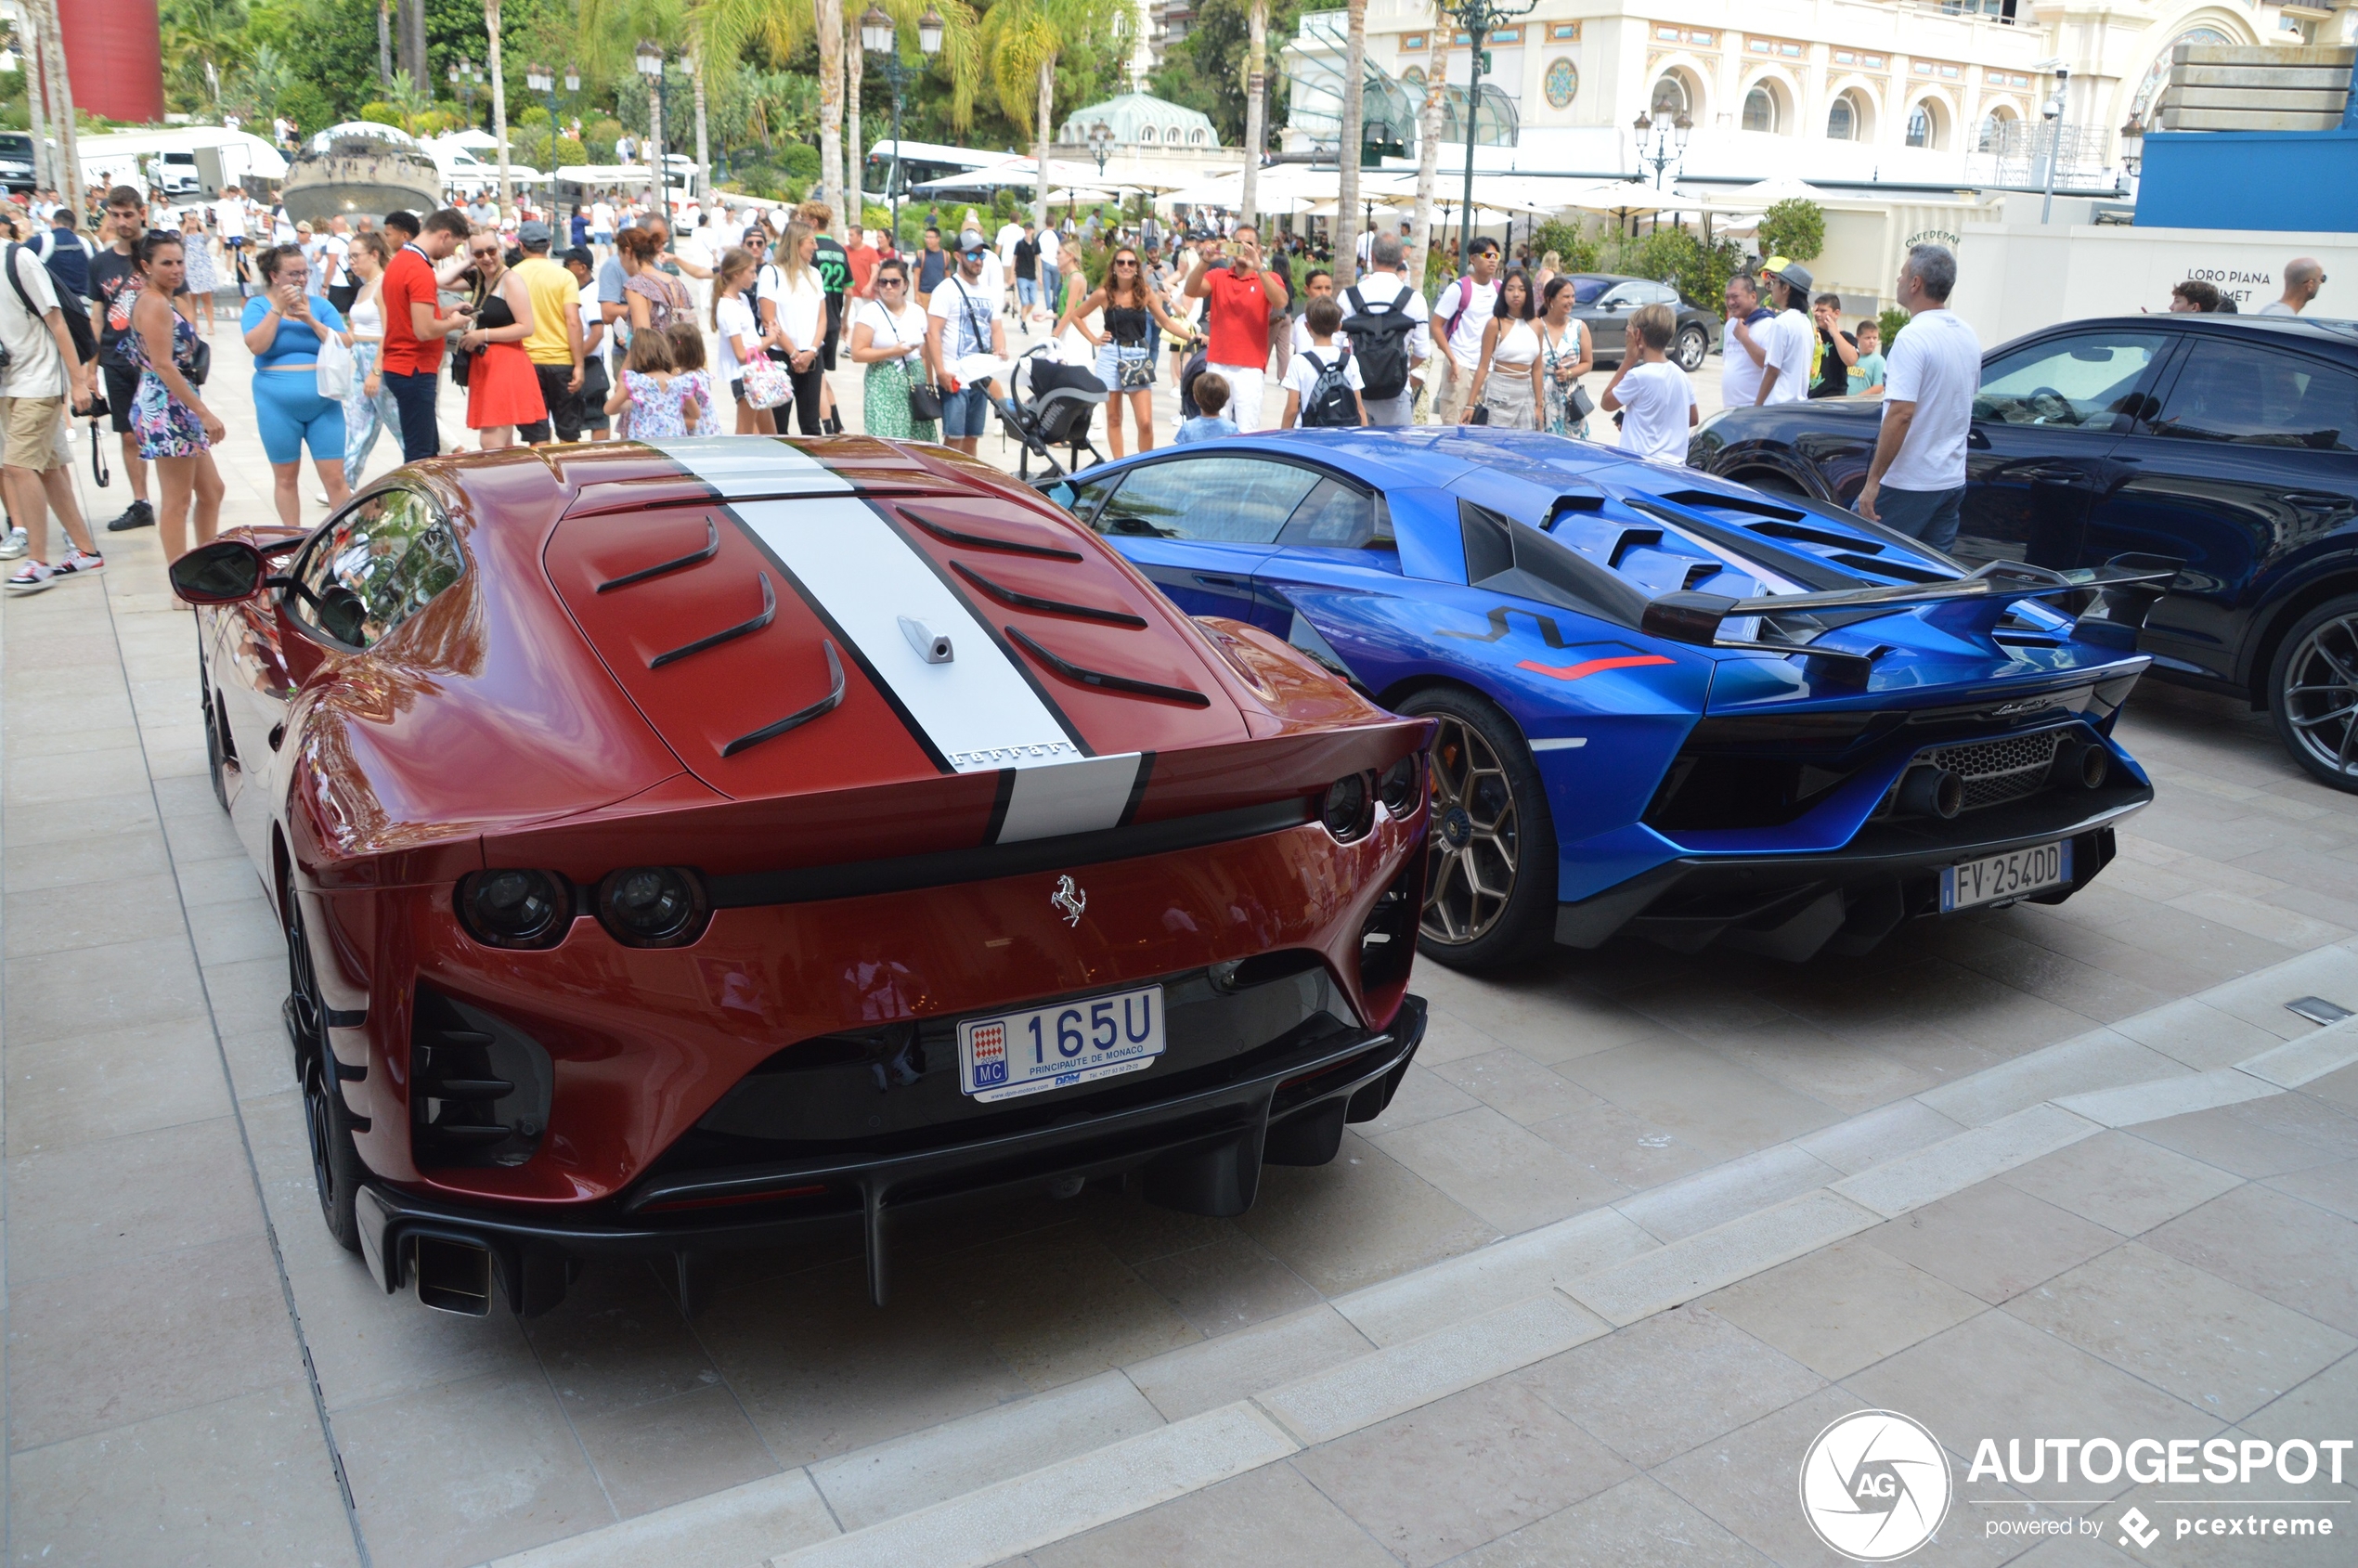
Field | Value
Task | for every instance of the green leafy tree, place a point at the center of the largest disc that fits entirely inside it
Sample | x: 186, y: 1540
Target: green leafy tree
x: 1890, y: 320
x: 1206, y: 70
x: 1794, y: 228
x: 1023, y: 40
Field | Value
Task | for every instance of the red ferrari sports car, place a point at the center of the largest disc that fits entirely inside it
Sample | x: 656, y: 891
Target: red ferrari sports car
x: 690, y: 845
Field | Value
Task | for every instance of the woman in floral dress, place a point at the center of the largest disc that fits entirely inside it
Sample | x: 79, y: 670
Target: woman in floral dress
x: 175, y: 430
x: 888, y: 337
x: 203, y: 278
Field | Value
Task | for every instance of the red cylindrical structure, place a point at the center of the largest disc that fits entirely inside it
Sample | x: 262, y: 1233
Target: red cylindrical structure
x: 113, y: 54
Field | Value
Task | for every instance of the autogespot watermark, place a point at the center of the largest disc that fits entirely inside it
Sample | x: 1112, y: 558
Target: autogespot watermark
x: 1876, y: 1485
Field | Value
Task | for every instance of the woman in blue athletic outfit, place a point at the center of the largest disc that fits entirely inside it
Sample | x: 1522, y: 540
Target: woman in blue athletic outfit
x: 284, y: 325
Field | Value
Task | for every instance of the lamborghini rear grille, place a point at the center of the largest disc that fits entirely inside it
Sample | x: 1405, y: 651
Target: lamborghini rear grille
x: 1996, y: 771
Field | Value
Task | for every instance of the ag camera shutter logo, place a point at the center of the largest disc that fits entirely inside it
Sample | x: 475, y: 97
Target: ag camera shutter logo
x: 1875, y: 1486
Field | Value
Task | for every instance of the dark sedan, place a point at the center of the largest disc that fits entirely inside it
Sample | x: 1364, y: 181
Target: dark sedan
x: 2226, y: 444
x: 1606, y: 301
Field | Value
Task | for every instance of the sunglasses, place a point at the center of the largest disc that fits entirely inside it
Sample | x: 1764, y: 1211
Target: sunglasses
x: 1125, y: 262
x: 484, y: 255
x: 891, y: 282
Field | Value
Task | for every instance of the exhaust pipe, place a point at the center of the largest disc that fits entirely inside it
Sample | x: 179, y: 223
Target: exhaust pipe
x: 1932, y: 792
x: 2080, y: 764
x: 454, y: 1275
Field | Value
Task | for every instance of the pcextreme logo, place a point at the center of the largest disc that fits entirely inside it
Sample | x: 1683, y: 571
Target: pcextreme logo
x: 1875, y: 1486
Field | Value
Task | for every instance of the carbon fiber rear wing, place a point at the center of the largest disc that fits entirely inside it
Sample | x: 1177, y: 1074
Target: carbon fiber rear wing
x: 2111, y: 603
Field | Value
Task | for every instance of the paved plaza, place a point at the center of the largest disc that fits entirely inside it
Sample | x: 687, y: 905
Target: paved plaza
x: 1635, y: 1229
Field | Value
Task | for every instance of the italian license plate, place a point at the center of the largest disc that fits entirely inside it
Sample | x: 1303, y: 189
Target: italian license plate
x: 1018, y: 1054
x: 2009, y: 876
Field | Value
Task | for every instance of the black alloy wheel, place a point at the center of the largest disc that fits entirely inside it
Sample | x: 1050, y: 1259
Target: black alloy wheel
x: 1489, y: 873
x: 1689, y: 347
x: 335, y: 1160
x: 2313, y: 692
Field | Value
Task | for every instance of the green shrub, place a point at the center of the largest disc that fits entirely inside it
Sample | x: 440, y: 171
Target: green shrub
x: 799, y: 161
x: 1891, y: 321
x: 1575, y: 250
x: 1676, y: 257
x: 1794, y: 228
x: 379, y: 114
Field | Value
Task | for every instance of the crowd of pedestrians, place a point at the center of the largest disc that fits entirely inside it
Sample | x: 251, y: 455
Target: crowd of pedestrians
x: 596, y: 326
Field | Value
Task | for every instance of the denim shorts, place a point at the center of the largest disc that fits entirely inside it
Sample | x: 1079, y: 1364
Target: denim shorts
x: 964, y: 413
x: 1928, y: 515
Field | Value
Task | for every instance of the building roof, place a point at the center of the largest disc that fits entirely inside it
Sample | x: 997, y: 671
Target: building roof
x: 1140, y: 119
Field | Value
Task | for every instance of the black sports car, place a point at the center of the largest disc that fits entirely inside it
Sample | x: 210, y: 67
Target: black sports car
x: 2227, y: 443
x: 1607, y: 299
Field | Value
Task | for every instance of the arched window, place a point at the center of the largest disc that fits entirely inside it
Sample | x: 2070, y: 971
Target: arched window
x: 1671, y: 94
x: 1760, y: 110
x: 1146, y: 134
x: 2158, y: 77
x: 1992, y: 137
x: 1414, y: 80
x: 1919, y: 127
x: 1195, y: 138
x: 1842, y: 121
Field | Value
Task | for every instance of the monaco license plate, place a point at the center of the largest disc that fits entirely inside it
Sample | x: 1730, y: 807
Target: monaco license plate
x: 2009, y: 876
x: 1016, y: 1054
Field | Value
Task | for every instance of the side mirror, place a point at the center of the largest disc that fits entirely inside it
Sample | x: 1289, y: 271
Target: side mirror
x: 221, y: 573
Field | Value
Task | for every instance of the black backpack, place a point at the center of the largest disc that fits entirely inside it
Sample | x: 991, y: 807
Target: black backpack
x: 1380, y: 339
x: 1331, y: 403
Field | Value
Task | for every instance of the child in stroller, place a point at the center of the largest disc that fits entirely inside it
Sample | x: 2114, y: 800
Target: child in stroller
x: 1051, y: 405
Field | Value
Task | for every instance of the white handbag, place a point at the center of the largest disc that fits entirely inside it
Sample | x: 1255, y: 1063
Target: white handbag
x: 335, y: 368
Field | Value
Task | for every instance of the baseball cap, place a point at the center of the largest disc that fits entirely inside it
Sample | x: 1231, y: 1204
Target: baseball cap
x: 1793, y: 272
x: 534, y: 232
x: 972, y: 240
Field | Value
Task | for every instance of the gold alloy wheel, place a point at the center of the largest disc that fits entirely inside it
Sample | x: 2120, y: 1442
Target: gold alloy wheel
x: 2320, y: 695
x: 1469, y: 874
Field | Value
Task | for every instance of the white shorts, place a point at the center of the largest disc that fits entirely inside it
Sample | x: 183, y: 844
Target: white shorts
x: 1244, y: 393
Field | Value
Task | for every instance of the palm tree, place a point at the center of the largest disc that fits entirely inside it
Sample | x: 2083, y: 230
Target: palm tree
x: 960, y: 58
x: 1256, y: 112
x: 1429, y: 146
x: 1023, y: 39
x: 1355, y: 108
x: 498, y: 98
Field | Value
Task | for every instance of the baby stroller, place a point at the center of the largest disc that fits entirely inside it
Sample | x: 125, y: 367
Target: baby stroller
x: 1051, y: 405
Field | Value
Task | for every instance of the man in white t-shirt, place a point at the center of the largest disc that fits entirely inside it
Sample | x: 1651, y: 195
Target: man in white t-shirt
x: 1656, y: 401
x: 1463, y: 313
x: 1916, y: 483
x: 44, y: 375
x: 1381, y: 289
x: 1003, y: 243
x: 2303, y: 277
x: 229, y: 217
x: 1051, y: 292
x: 1742, y: 350
x: 1788, y: 340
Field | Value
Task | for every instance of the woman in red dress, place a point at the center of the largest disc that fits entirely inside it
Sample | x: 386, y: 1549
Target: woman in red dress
x: 502, y: 391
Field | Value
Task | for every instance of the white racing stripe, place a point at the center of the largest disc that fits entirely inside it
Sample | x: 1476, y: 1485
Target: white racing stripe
x: 740, y: 464
x: 1077, y: 797
x: 977, y: 707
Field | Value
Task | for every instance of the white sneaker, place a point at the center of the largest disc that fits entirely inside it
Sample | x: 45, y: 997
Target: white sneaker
x: 14, y: 544
x: 31, y: 577
x: 79, y: 562
x: 321, y: 497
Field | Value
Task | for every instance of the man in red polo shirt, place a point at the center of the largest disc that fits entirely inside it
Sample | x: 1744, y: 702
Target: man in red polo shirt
x: 411, y: 359
x: 1244, y: 297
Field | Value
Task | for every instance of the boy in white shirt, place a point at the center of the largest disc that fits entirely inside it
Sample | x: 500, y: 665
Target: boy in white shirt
x: 1656, y: 401
x: 1302, y: 406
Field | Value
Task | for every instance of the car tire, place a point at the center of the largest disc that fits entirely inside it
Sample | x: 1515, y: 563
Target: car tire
x: 1490, y: 875
x: 1690, y: 347
x: 1768, y: 481
x: 2312, y: 687
x: 336, y: 1167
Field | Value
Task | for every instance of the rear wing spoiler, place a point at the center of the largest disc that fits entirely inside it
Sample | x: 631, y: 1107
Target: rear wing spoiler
x: 2111, y: 603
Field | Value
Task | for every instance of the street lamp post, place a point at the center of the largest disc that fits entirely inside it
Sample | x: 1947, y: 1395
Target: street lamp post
x: 649, y: 60
x: 464, y: 74
x: 1477, y: 19
x: 879, y: 35
x: 541, y: 80
x: 1669, y: 135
